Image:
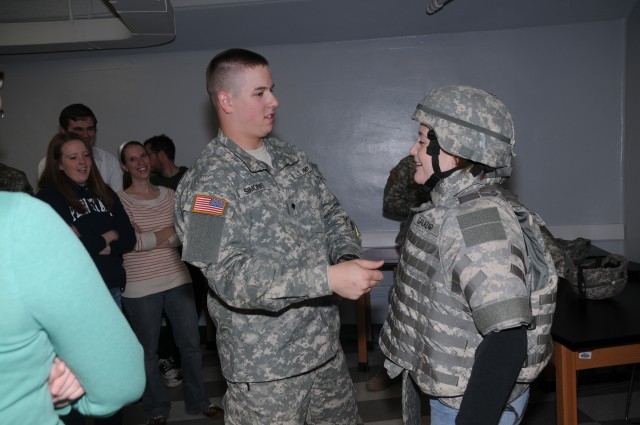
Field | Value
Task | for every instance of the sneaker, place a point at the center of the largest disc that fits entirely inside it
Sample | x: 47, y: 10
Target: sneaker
x: 167, y: 369
x: 158, y: 420
x: 380, y: 381
x: 175, y: 381
x: 172, y: 375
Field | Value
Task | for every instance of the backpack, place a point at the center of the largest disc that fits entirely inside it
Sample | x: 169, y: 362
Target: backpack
x: 542, y: 285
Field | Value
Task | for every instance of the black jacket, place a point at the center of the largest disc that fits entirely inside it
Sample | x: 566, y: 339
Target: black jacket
x: 92, y: 224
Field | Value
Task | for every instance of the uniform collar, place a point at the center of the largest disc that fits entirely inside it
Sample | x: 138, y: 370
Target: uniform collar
x: 457, y: 183
x: 281, y: 153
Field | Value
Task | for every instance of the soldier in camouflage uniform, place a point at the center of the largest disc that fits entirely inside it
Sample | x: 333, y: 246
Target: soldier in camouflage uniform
x: 401, y: 193
x: 14, y: 180
x: 456, y: 327
x: 255, y: 215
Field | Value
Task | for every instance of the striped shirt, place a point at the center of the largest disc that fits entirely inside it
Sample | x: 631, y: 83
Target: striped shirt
x: 151, y: 269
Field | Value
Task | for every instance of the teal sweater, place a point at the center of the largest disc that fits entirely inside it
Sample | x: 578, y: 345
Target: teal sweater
x: 53, y: 302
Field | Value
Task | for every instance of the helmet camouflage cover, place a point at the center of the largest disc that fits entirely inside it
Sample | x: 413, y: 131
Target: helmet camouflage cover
x: 469, y: 123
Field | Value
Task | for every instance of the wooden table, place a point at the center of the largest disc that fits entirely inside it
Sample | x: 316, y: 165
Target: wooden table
x: 591, y: 334
x: 587, y: 334
x: 391, y: 256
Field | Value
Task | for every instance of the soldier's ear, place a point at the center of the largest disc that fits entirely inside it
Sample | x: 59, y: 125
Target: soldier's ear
x: 225, y: 101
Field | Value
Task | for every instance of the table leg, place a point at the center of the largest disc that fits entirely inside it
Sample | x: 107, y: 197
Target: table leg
x: 566, y: 395
x: 363, y: 323
x: 367, y: 317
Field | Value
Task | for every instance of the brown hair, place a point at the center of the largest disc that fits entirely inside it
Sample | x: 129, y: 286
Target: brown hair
x: 228, y: 63
x: 54, y: 177
x: 126, y: 177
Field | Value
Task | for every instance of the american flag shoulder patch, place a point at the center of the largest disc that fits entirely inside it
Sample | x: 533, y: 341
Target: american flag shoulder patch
x: 209, y: 205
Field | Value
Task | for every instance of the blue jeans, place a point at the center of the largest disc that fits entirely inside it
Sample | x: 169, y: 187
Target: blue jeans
x: 512, y: 414
x: 116, y: 293
x: 145, y: 317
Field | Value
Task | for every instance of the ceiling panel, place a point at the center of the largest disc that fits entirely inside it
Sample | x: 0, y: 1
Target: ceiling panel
x: 179, y: 25
x: 51, y: 10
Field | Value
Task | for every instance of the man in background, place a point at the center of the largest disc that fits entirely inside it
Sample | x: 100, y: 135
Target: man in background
x: 79, y: 119
x: 401, y: 193
x: 162, y: 154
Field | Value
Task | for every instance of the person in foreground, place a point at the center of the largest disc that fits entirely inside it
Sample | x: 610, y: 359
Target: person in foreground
x: 457, y: 327
x: 157, y: 281
x: 56, y: 306
x: 274, y: 243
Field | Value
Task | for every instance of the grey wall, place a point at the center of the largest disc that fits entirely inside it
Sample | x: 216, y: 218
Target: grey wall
x: 348, y: 105
x: 632, y: 138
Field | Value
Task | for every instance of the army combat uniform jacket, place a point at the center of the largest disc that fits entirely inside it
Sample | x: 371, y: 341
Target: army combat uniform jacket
x: 14, y: 180
x: 401, y: 193
x: 461, y: 276
x: 264, y: 238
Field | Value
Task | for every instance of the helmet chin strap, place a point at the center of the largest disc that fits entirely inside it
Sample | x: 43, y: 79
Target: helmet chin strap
x: 433, y: 150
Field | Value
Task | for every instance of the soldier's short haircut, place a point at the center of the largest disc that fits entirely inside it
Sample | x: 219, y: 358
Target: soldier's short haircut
x: 162, y: 143
x: 228, y: 62
x: 75, y: 112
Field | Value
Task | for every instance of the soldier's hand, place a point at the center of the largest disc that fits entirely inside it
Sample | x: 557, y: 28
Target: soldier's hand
x: 352, y: 279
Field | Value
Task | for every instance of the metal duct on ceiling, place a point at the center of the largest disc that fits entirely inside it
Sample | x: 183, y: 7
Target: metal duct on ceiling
x: 435, y: 5
x: 119, y: 24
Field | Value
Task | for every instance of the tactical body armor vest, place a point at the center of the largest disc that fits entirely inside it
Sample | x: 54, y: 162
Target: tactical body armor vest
x: 542, y: 282
x: 429, y: 330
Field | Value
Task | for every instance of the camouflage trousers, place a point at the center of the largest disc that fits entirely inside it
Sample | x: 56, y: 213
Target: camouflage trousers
x: 322, y: 396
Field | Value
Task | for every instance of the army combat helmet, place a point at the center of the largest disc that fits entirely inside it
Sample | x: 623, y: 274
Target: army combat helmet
x: 469, y: 123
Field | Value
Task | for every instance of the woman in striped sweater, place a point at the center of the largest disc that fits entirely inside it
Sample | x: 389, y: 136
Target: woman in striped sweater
x: 157, y: 281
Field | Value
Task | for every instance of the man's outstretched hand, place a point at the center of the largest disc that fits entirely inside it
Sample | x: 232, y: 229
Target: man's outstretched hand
x: 352, y: 279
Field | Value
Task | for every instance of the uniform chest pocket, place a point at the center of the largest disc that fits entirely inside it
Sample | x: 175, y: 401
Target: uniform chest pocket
x: 305, y: 203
